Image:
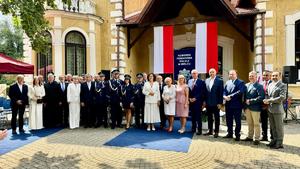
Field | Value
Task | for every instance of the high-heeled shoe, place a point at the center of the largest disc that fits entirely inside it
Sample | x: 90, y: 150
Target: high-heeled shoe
x: 181, y: 131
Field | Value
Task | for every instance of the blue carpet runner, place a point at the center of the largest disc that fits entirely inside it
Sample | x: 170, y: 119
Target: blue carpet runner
x: 12, y: 142
x: 156, y: 140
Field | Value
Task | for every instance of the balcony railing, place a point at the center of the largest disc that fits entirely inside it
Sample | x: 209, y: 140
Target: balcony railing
x: 78, y: 6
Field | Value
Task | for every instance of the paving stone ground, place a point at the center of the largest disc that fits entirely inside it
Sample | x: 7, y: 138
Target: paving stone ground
x: 83, y: 148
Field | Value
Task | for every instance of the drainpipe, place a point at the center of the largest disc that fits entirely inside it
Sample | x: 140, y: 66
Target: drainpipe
x: 263, y: 43
x: 118, y: 47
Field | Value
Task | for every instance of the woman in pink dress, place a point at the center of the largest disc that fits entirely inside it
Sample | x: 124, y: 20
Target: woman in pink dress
x: 182, y: 103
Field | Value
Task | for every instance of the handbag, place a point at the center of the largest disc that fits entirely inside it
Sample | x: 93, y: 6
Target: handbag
x: 39, y: 101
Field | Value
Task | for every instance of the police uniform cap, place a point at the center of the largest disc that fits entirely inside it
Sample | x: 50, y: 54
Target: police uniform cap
x: 101, y: 74
x: 127, y: 76
x: 115, y: 71
x: 139, y: 75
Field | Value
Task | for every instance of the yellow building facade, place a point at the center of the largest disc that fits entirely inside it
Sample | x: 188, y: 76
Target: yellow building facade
x: 83, y: 38
x: 94, y: 35
x: 236, y: 49
x: 281, y: 34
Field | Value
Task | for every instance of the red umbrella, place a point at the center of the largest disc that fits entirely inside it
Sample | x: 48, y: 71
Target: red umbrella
x: 9, y: 65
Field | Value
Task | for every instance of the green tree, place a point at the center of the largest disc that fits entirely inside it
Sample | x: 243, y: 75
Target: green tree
x: 29, y: 14
x: 11, y: 40
x: 11, y: 44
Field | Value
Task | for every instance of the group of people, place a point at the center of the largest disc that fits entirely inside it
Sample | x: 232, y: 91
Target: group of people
x: 86, y: 101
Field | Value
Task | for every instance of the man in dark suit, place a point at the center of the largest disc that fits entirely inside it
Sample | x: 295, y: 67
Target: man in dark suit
x: 276, y: 96
x: 19, y: 99
x: 233, y: 95
x: 63, y: 104
x: 115, y: 99
x: 51, y: 102
x: 139, y: 101
x: 254, y: 96
x: 214, y: 101
x: 197, y: 95
x: 101, y: 96
x: 87, y: 99
x: 163, y: 118
x: 264, y: 118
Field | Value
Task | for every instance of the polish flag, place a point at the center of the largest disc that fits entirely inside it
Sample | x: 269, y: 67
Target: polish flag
x: 163, y: 49
x: 206, y: 46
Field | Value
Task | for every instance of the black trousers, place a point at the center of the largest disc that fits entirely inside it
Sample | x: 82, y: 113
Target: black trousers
x: 233, y: 113
x: 139, y: 114
x: 101, y: 114
x: 89, y: 115
x: 50, y: 115
x: 196, y: 114
x: 213, y: 114
x: 116, y: 114
x: 17, y: 110
x: 64, y: 114
x: 163, y: 118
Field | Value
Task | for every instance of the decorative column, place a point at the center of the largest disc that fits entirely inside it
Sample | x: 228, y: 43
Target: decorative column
x: 57, y: 44
x: 92, y: 38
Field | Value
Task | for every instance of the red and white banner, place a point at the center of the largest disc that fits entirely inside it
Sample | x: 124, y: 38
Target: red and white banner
x: 206, y: 46
x: 163, y: 49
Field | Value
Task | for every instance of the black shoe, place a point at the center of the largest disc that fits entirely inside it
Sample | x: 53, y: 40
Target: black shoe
x: 193, y: 130
x: 208, y: 133
x: 276, y: 146
x: 112, y: 127
x: 228, y: 136
x: 216, y: 135
x: 256, y: 142
x: 105, y: 125
x: 21, y: 130
x: 272, y: 143
x: 119, y: 126
x: 264, y: 139
x: 247, y: 139
x: 199, y: 133
x: 237, y: 139
x: 14, y: 132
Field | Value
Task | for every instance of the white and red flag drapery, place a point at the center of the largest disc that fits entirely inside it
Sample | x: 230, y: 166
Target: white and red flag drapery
x: 206, y: 46
x: 163, y: 49
x: 206, y: 56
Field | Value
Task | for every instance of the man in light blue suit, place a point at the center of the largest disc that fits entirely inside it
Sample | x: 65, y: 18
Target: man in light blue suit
x: 233, y: 95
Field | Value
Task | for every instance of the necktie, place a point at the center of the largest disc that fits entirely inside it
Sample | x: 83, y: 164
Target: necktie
x: 265, y: 86
x: 63, y: 87
x: 194, y: 81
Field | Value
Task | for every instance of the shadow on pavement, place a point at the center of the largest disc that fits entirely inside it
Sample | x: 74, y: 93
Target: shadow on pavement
x: 268, y: 163
x: 41, y: 160
x: 136, y: 163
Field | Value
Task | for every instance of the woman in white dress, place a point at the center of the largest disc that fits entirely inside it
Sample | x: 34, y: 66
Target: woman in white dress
x: 35, y: 94
x: 73, y: 97
x: 169, y: 97
x: 152, y: 100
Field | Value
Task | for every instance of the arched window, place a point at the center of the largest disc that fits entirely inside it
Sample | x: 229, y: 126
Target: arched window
x: 75, y: 53
x: 297, y: 45
x: 44, y: 60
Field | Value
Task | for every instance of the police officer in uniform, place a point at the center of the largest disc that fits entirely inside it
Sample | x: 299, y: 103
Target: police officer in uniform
x: 101, y: 96
x: 139, y: 101
x: 115, y: 99
x: 127, y: 99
